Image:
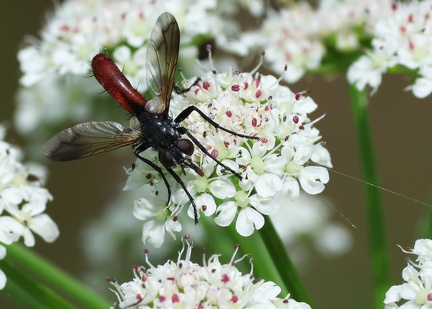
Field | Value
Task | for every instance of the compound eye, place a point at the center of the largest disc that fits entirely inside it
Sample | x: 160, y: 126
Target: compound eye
x: 166, y: 159
x: 186, y: 146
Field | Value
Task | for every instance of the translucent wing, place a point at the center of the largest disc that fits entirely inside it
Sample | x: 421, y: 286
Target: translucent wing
x: 161, y: 62
x: 87, y: 139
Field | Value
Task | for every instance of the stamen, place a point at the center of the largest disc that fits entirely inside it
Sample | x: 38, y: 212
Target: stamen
x: 209, y: 50
x: 315, y: 121
x: 232, y: 261
x: 181, y: 74
x: 147, y: 258
x: 259, y: 63
x: 189, y: 250
x: 283, y: 75
x: 180, y: 253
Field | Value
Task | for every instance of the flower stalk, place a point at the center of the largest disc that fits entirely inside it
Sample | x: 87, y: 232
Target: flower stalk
x: 65, y: 285
x: 374, y: 207
x: 282, y: 262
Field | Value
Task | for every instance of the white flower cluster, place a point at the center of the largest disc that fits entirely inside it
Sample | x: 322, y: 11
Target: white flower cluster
x: 278, y: 164
x: 300, y: 35
x: 306, y: 38
x: 22, y: 202
x: 184, y: 284
x: 305, y: 225
x: 416, y: 292
x: 402, y: 36
x: 78, y: 30
x: 55, y: 65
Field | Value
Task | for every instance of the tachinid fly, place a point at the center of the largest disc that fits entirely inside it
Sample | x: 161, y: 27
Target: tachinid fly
x: 151, y: 125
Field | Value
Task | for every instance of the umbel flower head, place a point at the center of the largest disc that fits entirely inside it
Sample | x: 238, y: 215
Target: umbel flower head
x: 416, y: 292
x: 22, y: 202
x: 371, y: 36
x: 305, y: 36
x: 184, y: 284
x: 401, y: 37
x: 77, y: 30
x: 276, y: 164
x: 55, y: 64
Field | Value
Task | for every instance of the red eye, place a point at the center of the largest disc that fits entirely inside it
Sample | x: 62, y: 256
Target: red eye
x: 185, y: 146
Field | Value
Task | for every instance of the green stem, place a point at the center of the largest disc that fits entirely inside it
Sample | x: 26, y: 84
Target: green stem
x: 374, y: 207
x: 262, y: 259
x: 282, y: 262
x: 270, y: 258
x: 55, y: 277
x: 28, y: 292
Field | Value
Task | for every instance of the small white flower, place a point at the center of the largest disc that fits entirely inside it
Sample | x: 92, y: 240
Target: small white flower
x: 157, y: 219
x: 416, y: 292
x: 368, y: 70
x: 422, y: 86
x: 10, y: 230
x: 189, y: 285
x: 22, y: 202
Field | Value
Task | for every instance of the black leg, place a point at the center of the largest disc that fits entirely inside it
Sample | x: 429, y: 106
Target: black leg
x: 173, y: 174
x: 184, y: 90
x: 178, y: 179
x: 156, y: 168
x: 187, y: 111
x: 203, y: 149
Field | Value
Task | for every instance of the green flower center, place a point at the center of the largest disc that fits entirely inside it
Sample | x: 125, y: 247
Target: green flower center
x: 257, y: 164
x: 293, y: 168
x: 242, y: 199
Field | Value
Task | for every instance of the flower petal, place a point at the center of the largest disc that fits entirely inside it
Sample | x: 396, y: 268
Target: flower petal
x: 227, y: 212
x: 222, y: 188
x: 313, y: 178
x: 268, y: 185
x: 248, y: 220
x: 45, y: 227
x: 153, y: 233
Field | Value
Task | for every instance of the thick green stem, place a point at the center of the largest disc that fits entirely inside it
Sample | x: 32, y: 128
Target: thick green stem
x: 282, y: 262
x: 29, y: 292
x: 271, y: 260
x: 37, y: 267
x: 374, y: 207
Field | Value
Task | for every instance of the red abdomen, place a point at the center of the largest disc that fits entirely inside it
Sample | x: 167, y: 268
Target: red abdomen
x: 115, y: 83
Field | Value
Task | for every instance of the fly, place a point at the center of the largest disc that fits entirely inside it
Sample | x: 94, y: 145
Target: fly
x: 150, y: 126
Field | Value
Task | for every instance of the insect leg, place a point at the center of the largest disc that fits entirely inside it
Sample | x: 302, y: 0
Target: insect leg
x: 156, y: 168
x: 203, y: 149
x: 184, y: 90
x: 178, y: 179
x: 187, y: 111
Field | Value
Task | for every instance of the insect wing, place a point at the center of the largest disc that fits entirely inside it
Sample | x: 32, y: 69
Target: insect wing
x: 87, y: 139
x: 161, y: 63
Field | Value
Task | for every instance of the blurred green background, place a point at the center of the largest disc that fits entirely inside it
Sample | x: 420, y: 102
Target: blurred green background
x: 401, y: 126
